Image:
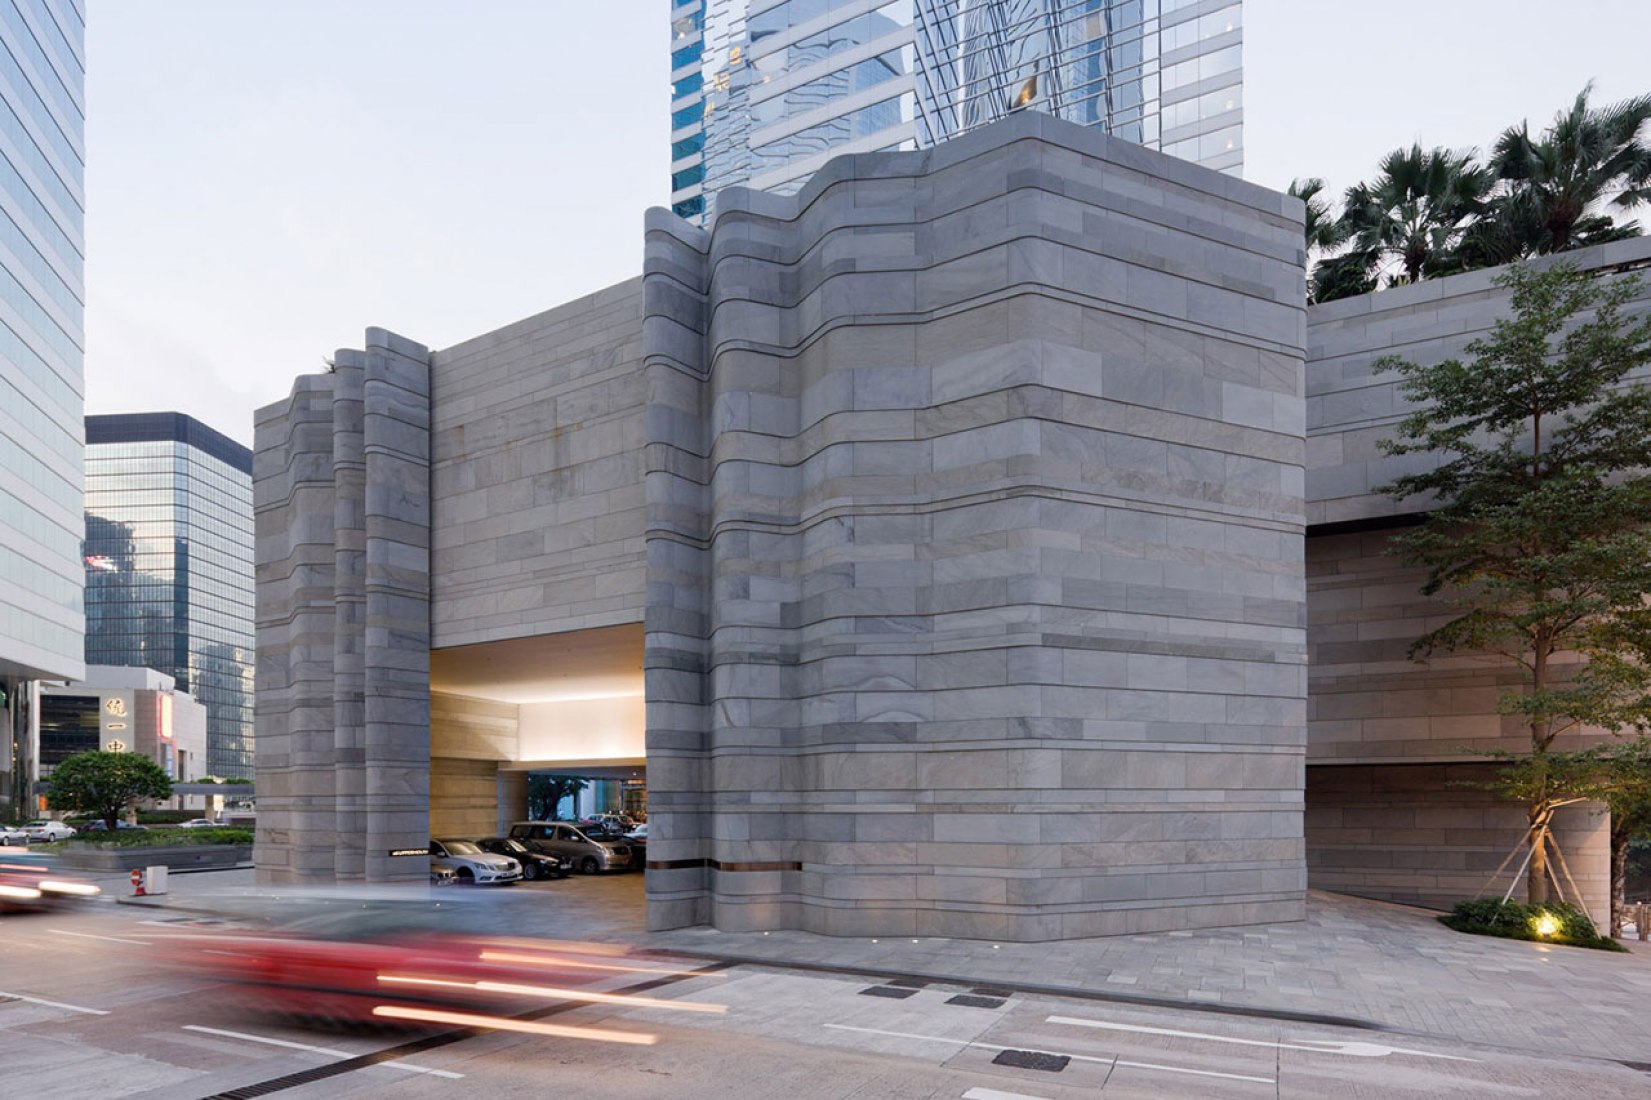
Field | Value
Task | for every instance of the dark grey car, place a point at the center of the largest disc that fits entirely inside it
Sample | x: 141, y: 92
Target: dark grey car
x: 562, y: 839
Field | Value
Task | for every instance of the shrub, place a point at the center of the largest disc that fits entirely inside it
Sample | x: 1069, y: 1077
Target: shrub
x: 1549, y: 922
x: 157, y: 838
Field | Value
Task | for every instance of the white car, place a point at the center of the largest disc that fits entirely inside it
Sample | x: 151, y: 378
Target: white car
x: 199, y: 823
x: 48, y: 830
x: 471, y: 864
x: 10, y: 836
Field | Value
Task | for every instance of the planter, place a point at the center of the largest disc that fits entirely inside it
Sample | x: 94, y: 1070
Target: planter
x: 81, y: 857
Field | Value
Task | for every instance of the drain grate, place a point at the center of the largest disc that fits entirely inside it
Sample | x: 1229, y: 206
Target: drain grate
x: 888, y: 991
x: 1032, y: 1059
x: 908, y: 983
x: 968, y: 1001
x: 990, y: 991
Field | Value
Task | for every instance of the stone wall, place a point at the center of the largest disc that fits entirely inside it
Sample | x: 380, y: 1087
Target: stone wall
x: 975, y: 596
x: 537, y: 476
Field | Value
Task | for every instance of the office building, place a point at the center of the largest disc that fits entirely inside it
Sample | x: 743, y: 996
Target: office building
x: 168, y: 566
x: 116, y: 709
x: 42, y: 157
x: 765, y: 91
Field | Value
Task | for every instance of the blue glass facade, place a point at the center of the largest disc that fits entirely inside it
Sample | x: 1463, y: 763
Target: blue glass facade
x: 765, y: 91
x: 42, y: 203
x: 168, y: 566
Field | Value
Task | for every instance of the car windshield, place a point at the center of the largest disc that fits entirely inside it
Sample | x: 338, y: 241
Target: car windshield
x: 511, y: 845
x: 460, y: 848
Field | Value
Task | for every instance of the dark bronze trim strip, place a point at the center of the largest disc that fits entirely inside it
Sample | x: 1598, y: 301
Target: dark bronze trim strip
x: 719, y: 865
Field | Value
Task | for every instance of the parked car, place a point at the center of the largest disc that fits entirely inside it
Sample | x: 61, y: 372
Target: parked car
x: 120, y: 827
x: 561, y: 838
x: 535, y: 865
x: 606, y: 833
x: 48, y: 830
x: 613, y: 822
x: 442, y: 876
x: 10, y: 835
x: 472, y: 865
x: 199, y: 823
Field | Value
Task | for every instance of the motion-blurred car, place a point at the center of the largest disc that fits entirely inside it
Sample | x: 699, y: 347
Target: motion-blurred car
x: 561, y: 838
x: 472, y: 865
x: 30, y: 882
x: 535, y: 865
x: 10, y: 835
x: 388, y: 955
x: 47, y: 831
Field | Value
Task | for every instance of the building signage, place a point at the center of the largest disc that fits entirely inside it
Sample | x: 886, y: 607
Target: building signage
x: 409, y: 851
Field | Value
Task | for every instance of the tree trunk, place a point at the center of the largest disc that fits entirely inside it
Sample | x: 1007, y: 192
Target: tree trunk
x: 1620, y: 834
x: 1536, y: 877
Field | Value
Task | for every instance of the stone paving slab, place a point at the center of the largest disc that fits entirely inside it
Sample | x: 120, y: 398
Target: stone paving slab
x: 1367, y: 963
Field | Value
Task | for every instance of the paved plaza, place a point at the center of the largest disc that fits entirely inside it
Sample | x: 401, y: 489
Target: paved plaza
x: 1385, y: 966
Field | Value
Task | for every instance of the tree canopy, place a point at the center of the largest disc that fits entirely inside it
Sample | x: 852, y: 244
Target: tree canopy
x: 103, y: 783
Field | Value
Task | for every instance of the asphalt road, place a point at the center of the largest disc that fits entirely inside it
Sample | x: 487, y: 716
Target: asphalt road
x: 88, y: 1008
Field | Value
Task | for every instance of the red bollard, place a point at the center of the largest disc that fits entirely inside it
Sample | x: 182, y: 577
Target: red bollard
x: 137, y: 882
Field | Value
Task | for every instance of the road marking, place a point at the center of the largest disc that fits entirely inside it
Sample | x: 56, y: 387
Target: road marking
x: 1056, y: 1053
x: 89, y: 936
x: 995, y: 1094
x: 327, y: 1051
x: 56, y: 1004
x: 1316, y: 1046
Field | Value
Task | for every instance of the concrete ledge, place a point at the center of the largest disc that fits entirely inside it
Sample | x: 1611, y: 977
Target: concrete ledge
x: 181, y: 856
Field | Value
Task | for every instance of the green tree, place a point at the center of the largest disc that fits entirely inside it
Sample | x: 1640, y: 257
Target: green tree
x: 1624, y: 785
x: 1558, y: 183
x: 1539, y: 543
x: 1417, y: 208
x: 545, y: 793
x: 103, y: 783
x: 1325, y: 231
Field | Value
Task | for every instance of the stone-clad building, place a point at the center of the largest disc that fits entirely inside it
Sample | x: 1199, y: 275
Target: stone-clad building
x: 951, y: 508
x: 943, y: 546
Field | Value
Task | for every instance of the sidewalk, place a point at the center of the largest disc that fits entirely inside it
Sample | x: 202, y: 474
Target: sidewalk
x: 1369, y: 963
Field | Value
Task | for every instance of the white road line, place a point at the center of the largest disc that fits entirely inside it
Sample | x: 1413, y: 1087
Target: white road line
x: 1055, y: 1053
x: 89, y: 936
x: 327, y: 1051
x: 55, y: 1004
x: 994, y: 1094
x: 1316, y: 1046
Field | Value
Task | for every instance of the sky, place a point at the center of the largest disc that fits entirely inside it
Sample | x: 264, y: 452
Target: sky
x: 267, y: 178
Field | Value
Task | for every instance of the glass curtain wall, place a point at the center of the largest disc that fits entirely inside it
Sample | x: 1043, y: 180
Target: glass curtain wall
x: 764, y: 92
x: 169, y: 577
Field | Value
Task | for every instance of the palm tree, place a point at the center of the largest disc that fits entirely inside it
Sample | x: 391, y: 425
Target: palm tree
x: 1325, y: 231
x: 1589, y: 157
x: 1418, y: 208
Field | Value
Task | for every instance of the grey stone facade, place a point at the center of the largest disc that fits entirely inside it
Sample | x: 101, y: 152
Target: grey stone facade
x: 961, y: 496
x: 975, y: 596
x: 1388, y: 738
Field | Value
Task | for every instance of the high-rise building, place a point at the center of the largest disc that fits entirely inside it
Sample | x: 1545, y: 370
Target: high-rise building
x: 765, y: 91
x: 168, y: 556
x: 42, y: 156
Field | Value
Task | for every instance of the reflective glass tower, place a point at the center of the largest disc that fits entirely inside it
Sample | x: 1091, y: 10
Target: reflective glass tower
x: 42, y: 156
x: 765, y: 91
x: 168, y: 558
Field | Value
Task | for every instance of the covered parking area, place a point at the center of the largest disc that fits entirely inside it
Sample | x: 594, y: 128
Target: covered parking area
x: 566, y: 704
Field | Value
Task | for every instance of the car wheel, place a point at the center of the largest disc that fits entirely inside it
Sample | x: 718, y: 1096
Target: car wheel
x: 466, y: 877
x: 588, y: 865
x: 530, y: 871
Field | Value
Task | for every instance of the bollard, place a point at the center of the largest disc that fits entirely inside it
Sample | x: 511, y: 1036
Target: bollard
x: 137, y: 882
x: 1642, y: 920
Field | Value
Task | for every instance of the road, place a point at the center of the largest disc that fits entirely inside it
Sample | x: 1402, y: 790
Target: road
x: 85, y: 1010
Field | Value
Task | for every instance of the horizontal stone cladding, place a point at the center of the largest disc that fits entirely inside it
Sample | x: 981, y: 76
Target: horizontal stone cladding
x: 341, y: 513
x: 538, y: 499
x: 975, y: 578
x: 1351, y: 408
x: 1424, y: 834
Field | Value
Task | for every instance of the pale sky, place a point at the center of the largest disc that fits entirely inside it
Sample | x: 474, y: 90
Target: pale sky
x: 267, y: 178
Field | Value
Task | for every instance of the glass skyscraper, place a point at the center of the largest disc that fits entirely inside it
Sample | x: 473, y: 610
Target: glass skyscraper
x: 764, y: 92
x: 168, y: 557
x: 42, y: 157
